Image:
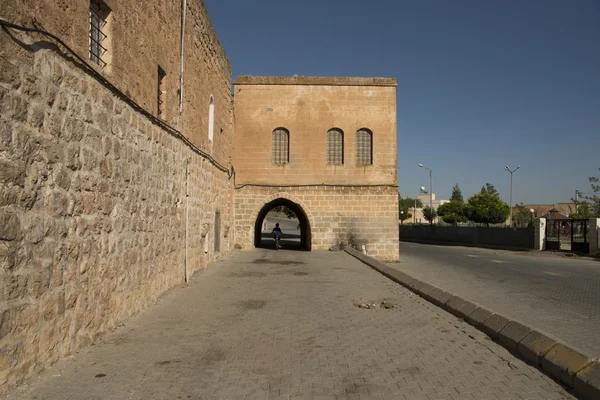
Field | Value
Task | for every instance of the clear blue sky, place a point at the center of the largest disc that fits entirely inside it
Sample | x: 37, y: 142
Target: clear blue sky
x: 481, y: 84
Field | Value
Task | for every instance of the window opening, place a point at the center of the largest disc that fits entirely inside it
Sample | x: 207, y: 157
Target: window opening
x: 281, y: 146
x: 364, y: 147
x: 98, y: 16
x: 335, y: 147
x: 161, y: 93
x: 211, y: 118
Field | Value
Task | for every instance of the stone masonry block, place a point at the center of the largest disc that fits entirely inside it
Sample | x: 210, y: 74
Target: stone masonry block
x: 512, y: 334
x: 533, y: 346
x: 453, y: 303
x: 465, y: 309
x: 478, y: 317
x: 563, y: 363
x: 493, y: 325
x: 587, y: 381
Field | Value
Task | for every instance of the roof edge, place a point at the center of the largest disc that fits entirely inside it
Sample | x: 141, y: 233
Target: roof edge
x: 314, y: 81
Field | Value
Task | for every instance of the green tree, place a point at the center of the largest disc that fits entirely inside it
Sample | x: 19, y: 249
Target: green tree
x: 522, y: 217
x: 487, y: 207
x: 593, y: 207
x: 457, y: 196
x: 452, y: 213
x: 583, y: 211
x: 429, y: 214
x: 490, y: 190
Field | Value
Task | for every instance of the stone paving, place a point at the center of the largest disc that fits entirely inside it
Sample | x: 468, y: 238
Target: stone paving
x: 290, y: 325
x: 554, y: 294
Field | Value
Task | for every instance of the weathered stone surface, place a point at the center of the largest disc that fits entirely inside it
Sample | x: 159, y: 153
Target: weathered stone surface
x: 493, y: 325
x: 10, y: 226
x: 587, y: 381
x: 563, y: 363
x: 534, y: 346
x: 477, y: 317
x: 465, y: 309
x: 512, y: 334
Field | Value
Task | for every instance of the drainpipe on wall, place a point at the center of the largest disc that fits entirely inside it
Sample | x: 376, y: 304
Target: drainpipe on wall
x: 183, y: 13
x: 187, y: 163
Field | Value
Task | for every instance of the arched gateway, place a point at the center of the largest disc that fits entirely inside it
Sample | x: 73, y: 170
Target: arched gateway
x: 303, y: 219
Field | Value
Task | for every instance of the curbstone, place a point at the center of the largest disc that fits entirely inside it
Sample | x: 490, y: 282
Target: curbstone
x: 533, y: 346
x: 587, y: 381
x: 465, y: 309
x: 440, y: 297
x: 570, y: 367
x: 493, y: 325
x: 512, y: 334
x: 564, y: 363
x: 478, y: 316
x: 453, y: 303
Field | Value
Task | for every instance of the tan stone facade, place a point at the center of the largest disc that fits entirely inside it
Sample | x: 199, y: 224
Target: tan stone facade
x: 94, y: 219
x: 111, y: 193
x: 343, y: 203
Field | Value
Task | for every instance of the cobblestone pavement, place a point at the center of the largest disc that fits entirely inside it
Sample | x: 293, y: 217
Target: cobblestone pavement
x: 282, y: 324
x: 558, y: 295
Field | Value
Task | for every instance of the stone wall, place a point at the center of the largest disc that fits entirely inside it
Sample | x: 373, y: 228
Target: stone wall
x: 342, y: 210
x: 337, y: 215
x: 92, y: 204
x: 141, y: 36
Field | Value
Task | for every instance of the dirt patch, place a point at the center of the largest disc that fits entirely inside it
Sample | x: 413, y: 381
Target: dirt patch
x: 252, y: 304
x: 368, y: 305
x: 214, y: 354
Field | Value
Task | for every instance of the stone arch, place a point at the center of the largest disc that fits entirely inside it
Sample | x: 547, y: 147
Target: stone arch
x: 305, y: 217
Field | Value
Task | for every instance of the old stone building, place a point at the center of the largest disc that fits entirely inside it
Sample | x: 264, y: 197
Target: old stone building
x: 325, y: 148
x: 117, y: 165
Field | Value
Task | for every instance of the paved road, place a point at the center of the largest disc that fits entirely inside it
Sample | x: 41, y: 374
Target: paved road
x: 559, y: 295
x: 284, y: 325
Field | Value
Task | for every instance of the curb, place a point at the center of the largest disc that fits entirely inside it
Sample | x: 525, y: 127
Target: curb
x: 465, y: 244
x: 573, y: 369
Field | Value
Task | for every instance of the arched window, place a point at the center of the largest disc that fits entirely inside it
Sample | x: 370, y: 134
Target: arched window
x: 364, y: 147
x: 281, y: 146
x: 335, y: 146
x: 211, y: 118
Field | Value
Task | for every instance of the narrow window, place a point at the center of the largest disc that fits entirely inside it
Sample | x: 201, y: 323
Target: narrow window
x: 281, y: 146
x: 211, y: 117
x: 364, y: 147
x: 161, y: 93
x: 98, y: 17
x: 335, y: 147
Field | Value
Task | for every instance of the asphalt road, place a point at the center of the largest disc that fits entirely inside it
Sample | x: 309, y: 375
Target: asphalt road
x: 555, y: 294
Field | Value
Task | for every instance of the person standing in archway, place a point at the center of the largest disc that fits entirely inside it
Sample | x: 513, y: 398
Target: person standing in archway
x: 276, y: 232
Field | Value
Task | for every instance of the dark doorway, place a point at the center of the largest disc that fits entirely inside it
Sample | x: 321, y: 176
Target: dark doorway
x: 289, y: 240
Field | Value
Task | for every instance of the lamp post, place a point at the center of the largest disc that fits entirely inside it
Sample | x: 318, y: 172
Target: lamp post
x: 430, y: 191
x: 401, y: 217
x: 510, y: 205
x: 532, y: 211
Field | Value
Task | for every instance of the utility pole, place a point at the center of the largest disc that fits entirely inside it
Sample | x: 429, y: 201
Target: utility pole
x: 511, y: 174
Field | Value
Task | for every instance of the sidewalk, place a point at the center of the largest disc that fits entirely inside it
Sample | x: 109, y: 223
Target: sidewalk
x: 282, y: 324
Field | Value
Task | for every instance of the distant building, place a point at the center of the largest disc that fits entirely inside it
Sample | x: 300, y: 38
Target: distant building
x: 417, y: 213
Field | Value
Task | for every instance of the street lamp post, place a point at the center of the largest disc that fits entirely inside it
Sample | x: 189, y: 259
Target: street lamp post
x: 532, y: 211
x: 430, y: 192
x: 401, y: 217
x: 510, y: 205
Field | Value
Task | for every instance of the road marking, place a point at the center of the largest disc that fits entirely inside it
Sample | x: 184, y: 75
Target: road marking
x: 551, y: 273
x: 472, y: 255
x: 499, y: 261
